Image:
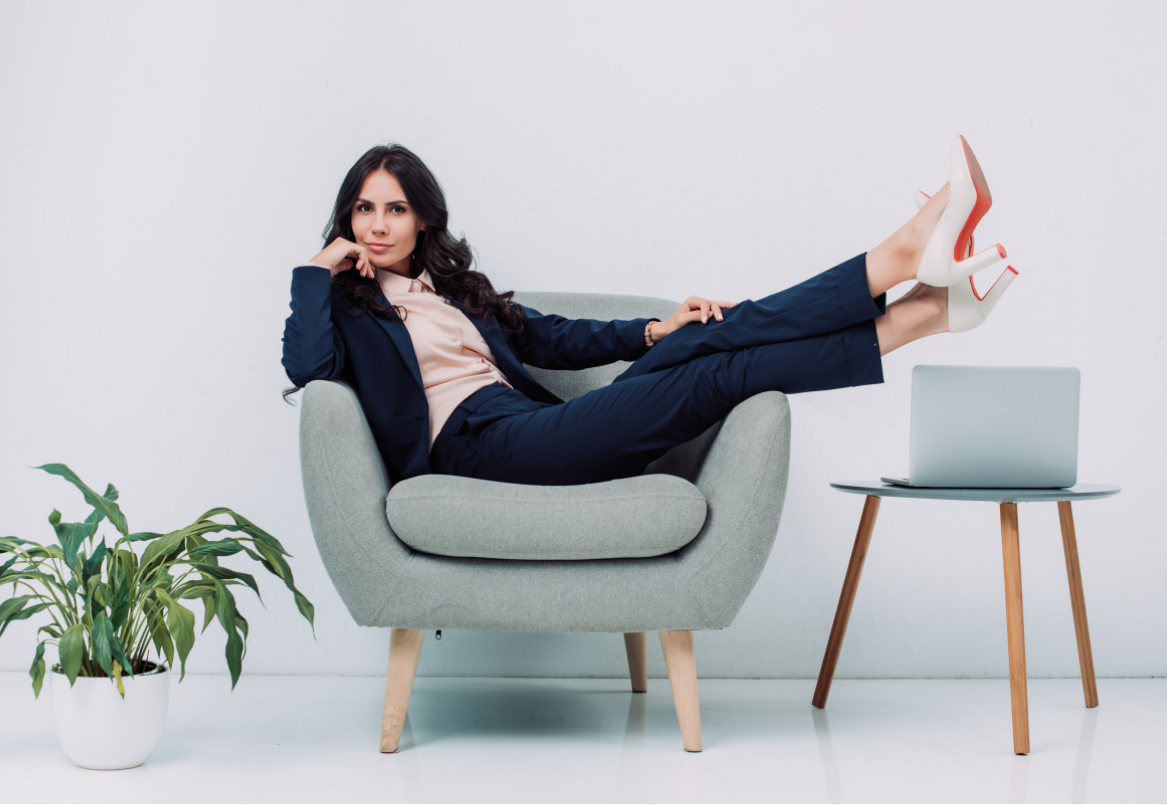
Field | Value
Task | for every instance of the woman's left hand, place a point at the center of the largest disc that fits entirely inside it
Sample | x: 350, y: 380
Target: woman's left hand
x: 692, y: 309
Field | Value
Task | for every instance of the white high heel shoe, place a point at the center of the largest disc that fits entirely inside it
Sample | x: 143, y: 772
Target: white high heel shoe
x: 948, y: 257
x: 922, y: 199
x: 967, y: 309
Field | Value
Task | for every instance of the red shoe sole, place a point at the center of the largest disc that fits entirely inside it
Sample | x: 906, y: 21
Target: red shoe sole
x: 983, y: 202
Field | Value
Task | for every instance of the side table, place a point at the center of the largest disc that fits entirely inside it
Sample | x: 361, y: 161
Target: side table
x: 1008, y: 499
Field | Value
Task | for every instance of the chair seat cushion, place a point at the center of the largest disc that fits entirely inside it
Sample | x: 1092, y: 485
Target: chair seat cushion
x: 448, y: 515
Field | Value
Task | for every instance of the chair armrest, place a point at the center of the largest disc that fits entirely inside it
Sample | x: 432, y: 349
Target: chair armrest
x: 345, y: 484
x: 743, y: 479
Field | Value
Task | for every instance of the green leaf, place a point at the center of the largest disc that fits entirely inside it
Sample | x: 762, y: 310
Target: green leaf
x: 161, y: 548
x: 224, y: 573
x: 12, y: 544
x: 23, y: 614
x: 104, y: 505
x: 72, y: 651
x: 160, y: 636
x: 14, y: 609
x: 284, y: 572
x: 120, y: 607
x: 13, y: 604
x: 181, y: 622
x: 102, y: 637
x: 71, y: 535
x: 140, y: 536
x: 234, y: 654
x: 306, y: 609
x: 119, y: 654
x: 93, y: 563
x: 223, y: 547
x: 208, y: 611
x: 225, y: 612
x: 37, y: 671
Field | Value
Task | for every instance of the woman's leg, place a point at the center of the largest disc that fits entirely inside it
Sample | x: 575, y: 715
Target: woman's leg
x: 840, y: 297
x: 615, y: 431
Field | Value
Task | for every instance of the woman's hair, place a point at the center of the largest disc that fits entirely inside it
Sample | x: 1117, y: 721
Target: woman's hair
x: 448, y: 260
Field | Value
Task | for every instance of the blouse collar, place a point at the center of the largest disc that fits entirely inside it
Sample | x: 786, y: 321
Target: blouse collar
x: 396, y: 284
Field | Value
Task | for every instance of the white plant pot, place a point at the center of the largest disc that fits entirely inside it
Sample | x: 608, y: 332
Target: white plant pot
x: 98, y: 729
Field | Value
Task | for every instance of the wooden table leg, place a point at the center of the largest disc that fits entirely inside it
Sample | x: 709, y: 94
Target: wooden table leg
x: 1078, y: 602
x: 1015, y: 622
x: 846, y: 599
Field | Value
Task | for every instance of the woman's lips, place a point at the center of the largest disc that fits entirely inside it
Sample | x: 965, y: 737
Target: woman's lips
x: 377, y: 247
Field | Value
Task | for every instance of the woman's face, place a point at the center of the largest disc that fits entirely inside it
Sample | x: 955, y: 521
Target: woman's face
x: 384, y: 223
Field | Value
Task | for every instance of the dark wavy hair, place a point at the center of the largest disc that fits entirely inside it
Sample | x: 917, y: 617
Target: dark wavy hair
x: 448, y: 260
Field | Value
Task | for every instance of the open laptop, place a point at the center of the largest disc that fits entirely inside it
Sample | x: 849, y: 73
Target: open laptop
x: 996, y: 427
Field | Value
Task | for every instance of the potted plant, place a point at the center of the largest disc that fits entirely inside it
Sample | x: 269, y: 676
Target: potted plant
x: 111, y: 604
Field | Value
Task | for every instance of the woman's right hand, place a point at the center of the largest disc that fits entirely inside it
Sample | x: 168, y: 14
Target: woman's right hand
x: 341, y: 255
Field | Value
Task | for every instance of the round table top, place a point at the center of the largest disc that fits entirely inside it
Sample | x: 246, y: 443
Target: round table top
x: 1076, y: 492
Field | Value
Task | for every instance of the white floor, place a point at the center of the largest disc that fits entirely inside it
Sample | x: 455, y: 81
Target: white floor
x: 314, y: 739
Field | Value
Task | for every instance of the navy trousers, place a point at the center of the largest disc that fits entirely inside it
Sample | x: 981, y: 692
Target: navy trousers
x: 818, y: 335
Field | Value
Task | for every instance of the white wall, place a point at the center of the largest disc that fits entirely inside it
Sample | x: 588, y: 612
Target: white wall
x: 163, y: 169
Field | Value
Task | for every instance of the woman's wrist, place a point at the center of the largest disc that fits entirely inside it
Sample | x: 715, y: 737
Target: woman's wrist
x: 655, y: 331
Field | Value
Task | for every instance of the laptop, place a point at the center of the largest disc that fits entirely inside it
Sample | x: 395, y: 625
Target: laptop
x: 994, y: 427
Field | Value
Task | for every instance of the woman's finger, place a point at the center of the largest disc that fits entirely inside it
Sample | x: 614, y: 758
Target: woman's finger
x: 716, y: 311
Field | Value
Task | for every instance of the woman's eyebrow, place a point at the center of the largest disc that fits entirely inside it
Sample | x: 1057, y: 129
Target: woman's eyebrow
x: 387, y: 203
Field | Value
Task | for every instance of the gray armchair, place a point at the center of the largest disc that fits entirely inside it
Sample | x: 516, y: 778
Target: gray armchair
x: 697, y: 579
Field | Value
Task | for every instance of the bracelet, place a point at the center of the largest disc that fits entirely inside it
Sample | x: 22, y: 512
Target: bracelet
x: 648, y: 342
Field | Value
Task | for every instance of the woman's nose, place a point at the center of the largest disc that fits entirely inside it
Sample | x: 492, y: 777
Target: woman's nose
x: 380, y: 224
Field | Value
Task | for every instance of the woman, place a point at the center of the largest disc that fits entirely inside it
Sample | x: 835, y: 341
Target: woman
x: 436, y: 354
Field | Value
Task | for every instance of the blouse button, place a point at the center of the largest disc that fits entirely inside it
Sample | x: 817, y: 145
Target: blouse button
x: 458, y: 343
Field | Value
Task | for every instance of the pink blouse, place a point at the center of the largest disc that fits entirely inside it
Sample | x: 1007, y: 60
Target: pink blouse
x: 454, y: 359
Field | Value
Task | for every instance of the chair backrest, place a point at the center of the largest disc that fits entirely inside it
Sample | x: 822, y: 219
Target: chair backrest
x: 684, y: 460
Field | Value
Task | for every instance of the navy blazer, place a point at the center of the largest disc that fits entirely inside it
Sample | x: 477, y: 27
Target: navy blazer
x: 322, y: 341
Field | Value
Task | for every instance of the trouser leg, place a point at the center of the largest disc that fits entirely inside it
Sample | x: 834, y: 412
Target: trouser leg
x: 831, y: 301
x: 617, y: 430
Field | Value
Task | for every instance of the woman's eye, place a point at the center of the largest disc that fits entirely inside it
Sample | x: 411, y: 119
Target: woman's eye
x: 399, y: 208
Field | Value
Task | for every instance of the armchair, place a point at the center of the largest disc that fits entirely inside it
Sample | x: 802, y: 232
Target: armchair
x: 739, y: 466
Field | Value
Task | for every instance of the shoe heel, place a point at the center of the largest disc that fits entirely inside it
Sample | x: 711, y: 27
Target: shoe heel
x: 979, y: 261
x: 967, y: 309
x: 994, y: 294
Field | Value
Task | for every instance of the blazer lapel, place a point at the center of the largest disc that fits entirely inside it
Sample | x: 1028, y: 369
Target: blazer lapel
x: 395, y: 327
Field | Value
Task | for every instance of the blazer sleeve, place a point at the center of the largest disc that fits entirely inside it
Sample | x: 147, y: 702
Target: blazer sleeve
x: 313, y: 347
x: 554, y: 342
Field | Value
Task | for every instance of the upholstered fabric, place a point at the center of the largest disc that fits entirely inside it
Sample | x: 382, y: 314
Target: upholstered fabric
x: 740, y: 466
x: 452, y: 516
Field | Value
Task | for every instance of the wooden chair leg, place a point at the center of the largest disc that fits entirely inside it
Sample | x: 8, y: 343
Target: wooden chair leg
x: 636, y: 645
x: 1078, y: 602
x: 846, y: 599
x: 682, y: 668
x: 1015, y: 623
x: 404, y: 651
